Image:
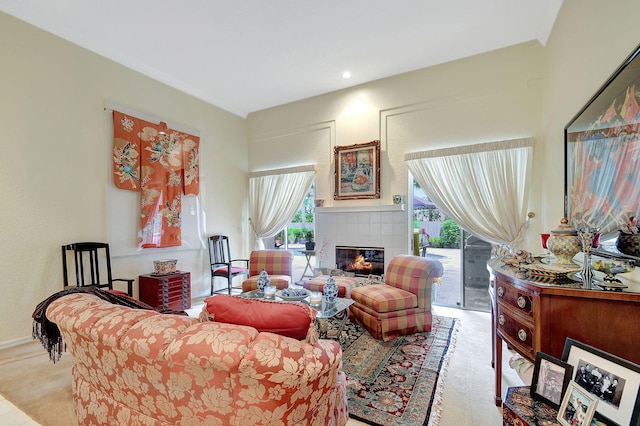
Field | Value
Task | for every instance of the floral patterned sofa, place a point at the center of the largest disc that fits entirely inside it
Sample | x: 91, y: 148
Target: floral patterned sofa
x: 134, y: 366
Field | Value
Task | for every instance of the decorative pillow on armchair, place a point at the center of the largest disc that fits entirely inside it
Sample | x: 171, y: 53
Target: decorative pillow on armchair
x: 289, y: 319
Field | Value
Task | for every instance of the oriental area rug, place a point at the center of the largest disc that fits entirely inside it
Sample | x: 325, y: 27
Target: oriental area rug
x: 398, y: 382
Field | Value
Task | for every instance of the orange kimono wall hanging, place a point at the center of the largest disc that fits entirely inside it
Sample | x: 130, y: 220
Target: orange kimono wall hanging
x: 162, y: 164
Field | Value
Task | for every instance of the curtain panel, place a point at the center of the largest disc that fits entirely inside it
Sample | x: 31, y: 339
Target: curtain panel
x: 162, y: 164
x: 483, y: 187
x: 274, y: 198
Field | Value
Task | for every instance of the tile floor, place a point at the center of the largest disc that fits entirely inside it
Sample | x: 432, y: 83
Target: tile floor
x: 10, y: 415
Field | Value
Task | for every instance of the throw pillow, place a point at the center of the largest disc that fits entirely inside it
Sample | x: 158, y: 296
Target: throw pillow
x: 289, y: 319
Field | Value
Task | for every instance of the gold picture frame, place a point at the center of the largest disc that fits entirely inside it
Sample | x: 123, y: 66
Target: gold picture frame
x: 357, y: 171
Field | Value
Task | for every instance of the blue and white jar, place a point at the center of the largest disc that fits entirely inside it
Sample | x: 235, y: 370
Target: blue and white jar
x: 330, y: 290
x: 263, y: 281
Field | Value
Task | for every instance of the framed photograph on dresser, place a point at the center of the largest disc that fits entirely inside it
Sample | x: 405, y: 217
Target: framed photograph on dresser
x: 614, y: 382
x: 577, y: 406
x: 550, y: 379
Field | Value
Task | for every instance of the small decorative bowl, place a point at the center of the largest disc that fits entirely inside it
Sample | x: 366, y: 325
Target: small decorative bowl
x: 164, y: 266
x: 292, y: 294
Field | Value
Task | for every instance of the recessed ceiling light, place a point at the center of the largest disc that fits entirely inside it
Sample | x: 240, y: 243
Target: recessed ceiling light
x: 346, y: 74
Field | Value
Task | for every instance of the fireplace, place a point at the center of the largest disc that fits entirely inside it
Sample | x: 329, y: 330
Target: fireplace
x: 363, y: 261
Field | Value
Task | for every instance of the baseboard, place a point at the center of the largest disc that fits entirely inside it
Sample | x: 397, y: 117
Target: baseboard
x: 11, y: 343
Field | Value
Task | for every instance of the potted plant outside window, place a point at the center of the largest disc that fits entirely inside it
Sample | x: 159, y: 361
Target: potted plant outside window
x: 309, y: 244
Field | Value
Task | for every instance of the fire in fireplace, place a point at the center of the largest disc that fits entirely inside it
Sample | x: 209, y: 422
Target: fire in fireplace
x: 362, y: 261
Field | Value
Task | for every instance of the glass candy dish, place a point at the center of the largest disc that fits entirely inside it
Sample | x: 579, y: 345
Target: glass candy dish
x: 611, y: 268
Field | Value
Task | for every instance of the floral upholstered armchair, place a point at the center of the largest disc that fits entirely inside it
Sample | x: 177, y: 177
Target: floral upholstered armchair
x: 135, y: 366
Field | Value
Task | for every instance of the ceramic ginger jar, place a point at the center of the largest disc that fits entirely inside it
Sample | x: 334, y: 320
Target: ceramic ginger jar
x: 263, y: 280
x: 564, y: 243
x: 330, y: 290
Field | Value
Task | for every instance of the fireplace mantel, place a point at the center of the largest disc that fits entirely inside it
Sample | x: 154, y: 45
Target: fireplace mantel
x: 356, y: 209
x: 385, y: 226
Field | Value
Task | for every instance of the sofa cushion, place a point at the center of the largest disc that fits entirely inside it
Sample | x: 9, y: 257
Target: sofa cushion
x: 289, y: 319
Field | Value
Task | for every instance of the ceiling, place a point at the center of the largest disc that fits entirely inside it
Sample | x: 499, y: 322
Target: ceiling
x: 248, y: 55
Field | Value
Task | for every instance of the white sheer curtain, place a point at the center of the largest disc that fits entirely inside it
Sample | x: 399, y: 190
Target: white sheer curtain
x: 274, y: 198
x: 483, y: 188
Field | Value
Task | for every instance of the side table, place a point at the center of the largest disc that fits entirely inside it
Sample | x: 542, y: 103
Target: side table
x: 307, y: 254
x: 166, y: 291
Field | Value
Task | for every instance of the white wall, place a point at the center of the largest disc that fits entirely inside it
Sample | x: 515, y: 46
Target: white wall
x: 524, y: 90
x: 54, y: 180
x: 489, y: 97
x: 590, y: 40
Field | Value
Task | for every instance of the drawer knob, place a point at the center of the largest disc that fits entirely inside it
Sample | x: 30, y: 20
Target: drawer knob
x: 522, y: 302
x: 501, y: 319
x: 522, y: 335
x: 500, y: 291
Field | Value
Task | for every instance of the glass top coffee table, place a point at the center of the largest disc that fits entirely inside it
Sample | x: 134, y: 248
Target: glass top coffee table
x: 335, y: 316
x: 329, y: 321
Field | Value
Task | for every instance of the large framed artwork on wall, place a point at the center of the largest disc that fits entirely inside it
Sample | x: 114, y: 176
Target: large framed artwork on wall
x: 357, y: 171
x: 602, y: 154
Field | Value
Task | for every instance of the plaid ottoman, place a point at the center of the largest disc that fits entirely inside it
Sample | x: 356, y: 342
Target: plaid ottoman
x: 382, y: 310
x: 345, y: 284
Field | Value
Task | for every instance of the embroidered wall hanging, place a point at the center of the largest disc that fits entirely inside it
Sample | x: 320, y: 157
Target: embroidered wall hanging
x: 162, y: 164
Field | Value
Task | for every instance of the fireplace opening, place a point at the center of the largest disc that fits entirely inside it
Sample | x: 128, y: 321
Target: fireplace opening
x: 362, y: 261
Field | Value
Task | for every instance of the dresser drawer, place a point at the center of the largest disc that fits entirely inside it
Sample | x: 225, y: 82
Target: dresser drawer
x: 516, y: 332
x: 521, y: 300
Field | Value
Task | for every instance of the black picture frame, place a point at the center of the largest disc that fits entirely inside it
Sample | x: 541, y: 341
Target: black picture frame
x: 599, y: 142
x: 614, y: 381
x: 551, y: 376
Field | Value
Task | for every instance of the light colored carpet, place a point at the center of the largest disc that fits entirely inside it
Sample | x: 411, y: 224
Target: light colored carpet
x: 37, y: 386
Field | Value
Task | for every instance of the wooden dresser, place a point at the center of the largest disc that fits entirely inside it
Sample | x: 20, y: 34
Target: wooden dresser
x: 532, y: 317
x: 166, y: 291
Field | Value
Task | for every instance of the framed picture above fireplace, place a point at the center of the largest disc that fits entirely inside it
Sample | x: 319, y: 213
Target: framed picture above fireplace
x: 357, y: 171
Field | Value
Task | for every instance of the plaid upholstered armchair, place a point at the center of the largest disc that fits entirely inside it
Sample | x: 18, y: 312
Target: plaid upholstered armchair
x: 277, y: 263
x: 402, y: 305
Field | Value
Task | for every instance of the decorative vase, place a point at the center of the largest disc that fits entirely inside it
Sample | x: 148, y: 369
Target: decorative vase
x: 564, y: 243
x: 587, y: 236
x: 330, y: 290
x: 628, y: 244
x: 263, y: 281
x: 310, y: 245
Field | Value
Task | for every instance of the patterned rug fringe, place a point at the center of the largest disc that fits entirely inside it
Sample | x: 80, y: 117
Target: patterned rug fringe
x: 436, y: 405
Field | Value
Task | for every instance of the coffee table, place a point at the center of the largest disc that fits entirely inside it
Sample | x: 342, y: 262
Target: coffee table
x: 337, y: 315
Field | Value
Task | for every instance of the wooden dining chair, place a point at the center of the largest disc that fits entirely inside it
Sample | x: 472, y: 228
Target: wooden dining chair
x: 221, y: 263
x: 92, y: 266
